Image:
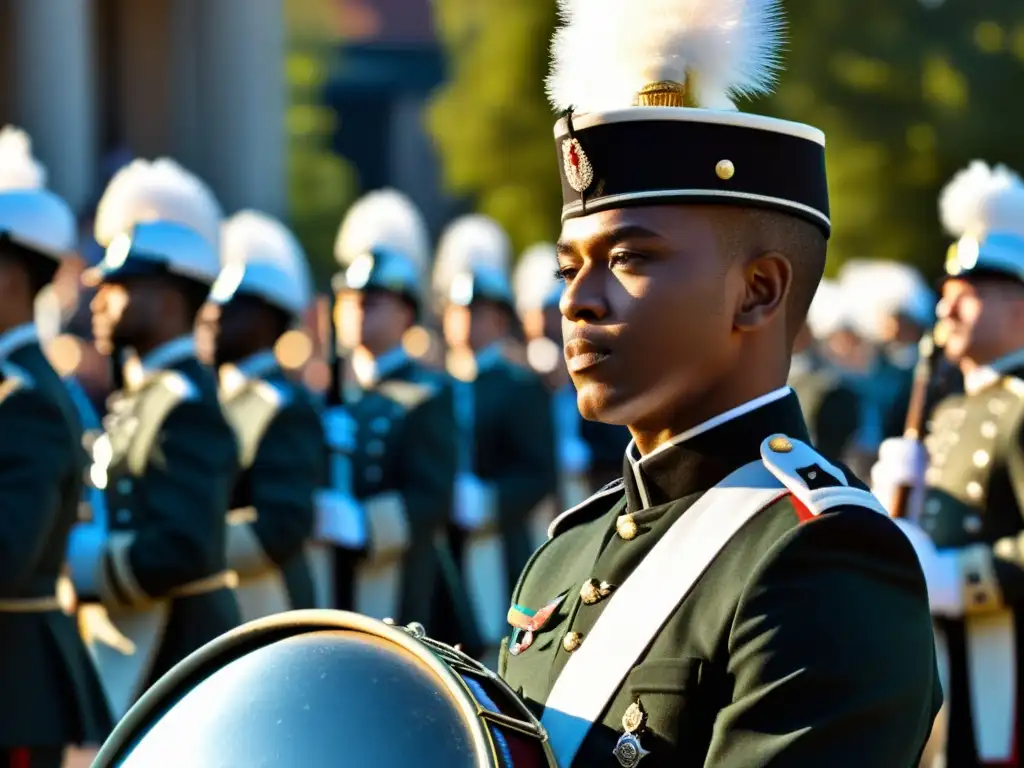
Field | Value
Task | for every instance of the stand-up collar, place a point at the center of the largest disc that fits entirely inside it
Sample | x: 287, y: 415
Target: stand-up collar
x: 702, y: 456
x: 987, y: 375
x: 17, y: 337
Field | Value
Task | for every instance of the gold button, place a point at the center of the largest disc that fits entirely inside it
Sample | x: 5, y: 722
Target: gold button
x: 780, y: 445
x: 572, y: 641
x: 981, y: 459
x: 594, y: 591
x: 625, y: 526
x: 725, y: 170
x: 974, y: 490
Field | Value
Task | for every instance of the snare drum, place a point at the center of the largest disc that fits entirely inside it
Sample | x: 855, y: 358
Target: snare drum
x: 328, y: 688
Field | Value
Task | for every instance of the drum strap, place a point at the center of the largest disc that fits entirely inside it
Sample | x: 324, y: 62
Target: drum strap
x: 642, y: 604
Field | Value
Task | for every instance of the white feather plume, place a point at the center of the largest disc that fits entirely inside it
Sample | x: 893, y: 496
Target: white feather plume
x: 384, y: 218
x: 160, y: 190
x: 18, y: 168
x: 608, y: 50
x: 534, y: 276
x: 470, y: 241
x: 252, y: 237
x: 980, y: 199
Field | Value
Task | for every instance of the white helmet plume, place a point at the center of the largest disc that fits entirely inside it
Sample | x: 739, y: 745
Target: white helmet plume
x: 981, y: 199
x: 383, y: 218
x: 470, y: 241
x: 160, y: 190
x: 18, y: 168
x: 609, y: 50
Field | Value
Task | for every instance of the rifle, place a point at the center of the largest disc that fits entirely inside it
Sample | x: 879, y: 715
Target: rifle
x: 929, y: 357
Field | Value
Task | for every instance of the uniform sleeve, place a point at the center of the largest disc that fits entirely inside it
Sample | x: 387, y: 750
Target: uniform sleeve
x: 185, y: 493
x: 284, y: 477
x: 831, y: 653
x: 528, y: 459
x: 35, y: 452
x: 428, y: 460
x: 837, y: 421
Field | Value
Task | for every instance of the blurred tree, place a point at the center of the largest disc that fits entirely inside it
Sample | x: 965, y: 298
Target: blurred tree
x: 491, y: 121
x: 907, y: 93
x: 322, y: 184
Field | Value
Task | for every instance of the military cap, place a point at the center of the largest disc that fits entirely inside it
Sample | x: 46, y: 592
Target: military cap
x: 984, y: 208
x: 467, y: 242
x: 157, y: 218
x: 876, y: 290
x: 828, y: 312
x: 383, y: 244
x: 535, y: 279
x: 650, y: 118
x: 263, y: 259
x: 480, y: 283
x: 30, y: 215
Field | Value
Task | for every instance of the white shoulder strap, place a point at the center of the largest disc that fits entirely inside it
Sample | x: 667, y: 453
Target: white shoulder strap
x: 646, y: 599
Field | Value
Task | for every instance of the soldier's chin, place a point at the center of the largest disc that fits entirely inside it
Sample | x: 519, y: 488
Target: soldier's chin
x: 603, y: 402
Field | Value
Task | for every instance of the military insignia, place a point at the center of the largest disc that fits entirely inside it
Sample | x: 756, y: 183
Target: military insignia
x: 626, y: 527
x: 628, y: 749
x: 578, y: 170
x: 594, y: 591
x: 526, y: 622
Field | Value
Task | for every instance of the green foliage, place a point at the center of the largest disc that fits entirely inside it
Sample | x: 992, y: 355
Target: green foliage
x: 321, y: 184
x: 906, y: 95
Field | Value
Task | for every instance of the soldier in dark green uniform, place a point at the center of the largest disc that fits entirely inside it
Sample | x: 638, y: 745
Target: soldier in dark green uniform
x: 968, y: 524
x: 507, y: 440
x: 829, y: 403
x: 154, y: 570
x: 53, y: 697
x: 387, y: 561
x: 737, y: 599
x: 260, y: 295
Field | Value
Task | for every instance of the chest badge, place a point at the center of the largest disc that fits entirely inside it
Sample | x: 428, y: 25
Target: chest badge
x: 628, y: 750
x: 526, y: 622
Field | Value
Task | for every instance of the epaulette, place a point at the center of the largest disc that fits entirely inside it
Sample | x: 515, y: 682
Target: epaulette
x: 179, y: 385
x: 614, y: 487
x: 817, y: 484
x: 408, y: 394
x: 276, y: 394
x: 1014, y: 385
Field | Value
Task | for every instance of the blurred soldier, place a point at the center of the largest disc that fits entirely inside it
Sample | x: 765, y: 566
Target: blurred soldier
x: 403, y: 435
x: 829, y: 403
x: 262, y: 292
x: 167, y: 459
x: 968, y: 524
x: 507, y: 460
x: 53, y: 695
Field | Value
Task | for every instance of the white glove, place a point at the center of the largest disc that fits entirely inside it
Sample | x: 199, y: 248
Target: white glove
x: 474, y: 503
x: 340, y: 519
x: 941, y: 572
x: 901, y: 462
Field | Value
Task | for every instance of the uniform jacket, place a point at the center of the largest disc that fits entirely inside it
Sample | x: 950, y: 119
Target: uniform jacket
x: 807, y: 642
x: 168, y: 474
x: 974, y: 504
x: 282, y: 452
x: 53, y: 696
x: 406, y: 443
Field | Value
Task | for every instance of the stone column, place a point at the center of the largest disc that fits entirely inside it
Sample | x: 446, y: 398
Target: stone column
x: 242, y: 103
x: 55, y: 91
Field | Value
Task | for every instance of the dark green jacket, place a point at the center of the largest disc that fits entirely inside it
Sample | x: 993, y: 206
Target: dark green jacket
x: 513, y: 448
x: 406, y: 442
x: 53, y: 696
x: 804, y: 644
x: 830, y: 405
x: 168, y: 485
x: 281, y: 446
x: 975, y: 504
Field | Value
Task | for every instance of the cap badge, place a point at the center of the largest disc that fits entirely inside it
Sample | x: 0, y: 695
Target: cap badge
x: 578, y: 170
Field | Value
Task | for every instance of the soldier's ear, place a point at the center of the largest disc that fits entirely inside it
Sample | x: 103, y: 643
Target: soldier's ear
x: 766, y: 281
